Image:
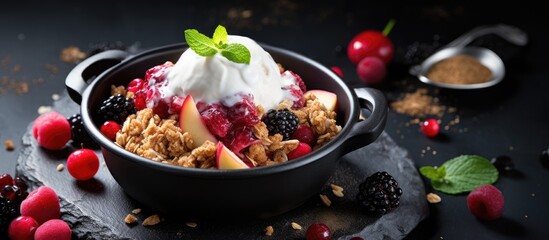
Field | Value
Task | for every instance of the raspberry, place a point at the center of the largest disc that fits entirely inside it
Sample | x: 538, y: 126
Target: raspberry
x: 243, y: 113
x: 282, y: 121
x: 22, y: 228
x: 304, y: 134
x: 135, y: 85
x: 42, y: 204
x: 486, y: 202
x: 79, y: 135
x: 51, y: 130
x: 53, y: 229
x: 109, y: 129
x: 83, y: 164
x: 216, y: 120
x: 116, y: 108
x: 298, y: 81
x: 379, y: 193
x: 301, y: 150
x: 318, y: 231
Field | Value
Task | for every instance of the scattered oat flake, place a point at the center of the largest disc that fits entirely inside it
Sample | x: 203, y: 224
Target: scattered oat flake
x: 131, y: 219
x: 9, y: 145
x: 55, y: 97
x: 151, y: 220
x: 296, y: 226
x: 433, y: 198
x: 325, y: 200
x: 269, y: 230
x: 337, y: 193
x: 136, y: 211
x: 60, y: 167
x: 336, y: 187
x: 44, y: 109
x: 191, y: 224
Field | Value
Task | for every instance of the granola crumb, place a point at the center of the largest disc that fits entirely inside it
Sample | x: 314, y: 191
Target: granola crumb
x: 72, y: 54
x: 44, y: 109
x: 136, y: 211
x: 269, y: 230
x: 60, y: 167
x: 131, y: 219
x: 9, y: 145
x: 191, y: 224
x: 296, y: 226
x: 433, y: 198
x: 325, y: 200
x: 151, y: 220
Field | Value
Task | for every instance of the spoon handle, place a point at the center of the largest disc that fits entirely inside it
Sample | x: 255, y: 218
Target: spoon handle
x: 507, y: 32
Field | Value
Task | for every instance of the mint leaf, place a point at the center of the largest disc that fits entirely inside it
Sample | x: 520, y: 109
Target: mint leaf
x: 461, y: 174
x: 200, y: 43
x: 237, y: 53
x: 431, y: 173
x: 220, y: 35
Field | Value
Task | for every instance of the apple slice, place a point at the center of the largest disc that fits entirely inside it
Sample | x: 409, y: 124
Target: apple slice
x: 226, y: 159
x: 190, y: 121
x: 329, y: 99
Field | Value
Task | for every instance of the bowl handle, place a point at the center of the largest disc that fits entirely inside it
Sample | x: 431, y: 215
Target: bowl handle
x: 367, y: 129
x: 76, y: 81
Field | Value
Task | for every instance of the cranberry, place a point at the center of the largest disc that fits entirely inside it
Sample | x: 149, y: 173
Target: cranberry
x: 430, y: 127
x: 338, y: 71
x: 5, y: 179
x: 371, y: 70
x: 318, y: 231
x: 83, y: 164
x: 301, y: 150
x: 370, y: 44
x: 22, y: 228
x: 109, y: 129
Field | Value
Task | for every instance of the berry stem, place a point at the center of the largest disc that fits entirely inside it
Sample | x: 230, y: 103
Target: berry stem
x: 388, y: 27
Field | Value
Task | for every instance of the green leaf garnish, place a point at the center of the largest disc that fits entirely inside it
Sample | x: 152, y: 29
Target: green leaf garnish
x: 461, y: 174
x: 207, y: 47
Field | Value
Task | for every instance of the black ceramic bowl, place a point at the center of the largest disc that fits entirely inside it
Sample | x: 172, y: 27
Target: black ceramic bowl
x: 206, y: 193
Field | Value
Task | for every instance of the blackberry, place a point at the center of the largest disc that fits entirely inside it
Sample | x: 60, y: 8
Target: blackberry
x: 79, y: 135
x: 379, y: 193
x: 8, y: 211
x: 281, y: 121
x: 116, y: 108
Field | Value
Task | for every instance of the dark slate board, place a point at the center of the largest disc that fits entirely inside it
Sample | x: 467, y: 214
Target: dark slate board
x: 95, y: 209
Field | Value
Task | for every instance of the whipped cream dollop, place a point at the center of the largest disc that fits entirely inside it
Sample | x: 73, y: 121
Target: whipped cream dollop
x: 214, y: 79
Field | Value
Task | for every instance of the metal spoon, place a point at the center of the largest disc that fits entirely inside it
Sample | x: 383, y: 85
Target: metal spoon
x: 485, y: 56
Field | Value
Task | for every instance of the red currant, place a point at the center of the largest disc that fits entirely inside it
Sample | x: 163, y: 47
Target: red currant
x: 109, y: 129
x: 430, y: 127
x: 318, y: 231
x: 22, y: 228
x: 371, y: 70
x: 83, y: 164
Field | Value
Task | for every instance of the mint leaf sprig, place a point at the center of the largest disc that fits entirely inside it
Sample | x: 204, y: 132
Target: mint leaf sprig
x: 461, y: 174
x: 207, y: 47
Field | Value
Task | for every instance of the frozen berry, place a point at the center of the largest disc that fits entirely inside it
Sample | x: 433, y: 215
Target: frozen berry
x: 379, y: 193
x: 304, y: 134
x: 51, y: 130
x: 430, y: 127
x: 109, y: 129
x: 486, y: 202
x: 42, y: 204
x: 301, y: 150
x: 338, y: 71
x: 371, y: 70
x: 116, y: 108
x: 53, y: 229
x: 83, y: 164
x: 318, y: 231
x: 22, y: 228
x: 282, y: 121
x: 5, y: 179
x: 135, y: 85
